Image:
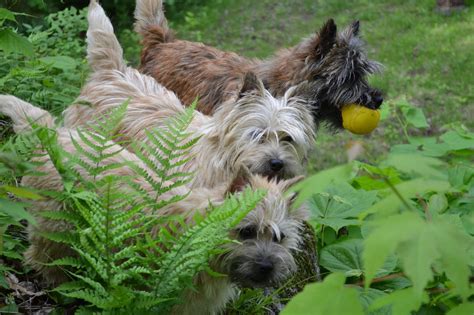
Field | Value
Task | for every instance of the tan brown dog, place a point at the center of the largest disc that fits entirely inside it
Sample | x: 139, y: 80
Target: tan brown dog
x: 335, y: 65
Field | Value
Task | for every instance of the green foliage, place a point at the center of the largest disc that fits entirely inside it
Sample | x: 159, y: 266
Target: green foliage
x: 332, y: 298
x: 10, y: 41
x: 50, y: 75
x: 128, y: 257
x: 400, y: 230
x: 14, y: 163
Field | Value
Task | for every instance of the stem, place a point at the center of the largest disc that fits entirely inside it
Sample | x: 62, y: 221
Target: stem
x: 394, y: 189
x: 380, y: 279
x: 404, y: 126
x: 425, y: 208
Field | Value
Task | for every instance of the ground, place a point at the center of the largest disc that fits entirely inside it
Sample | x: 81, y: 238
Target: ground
x: 428, y: 57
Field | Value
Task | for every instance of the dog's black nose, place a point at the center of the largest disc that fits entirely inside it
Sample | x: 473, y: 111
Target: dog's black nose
x: 265, y: 266
x: 276, y: 164
x: 378, y: 100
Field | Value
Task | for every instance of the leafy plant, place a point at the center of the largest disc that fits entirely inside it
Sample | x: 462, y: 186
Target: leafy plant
x: 128, y: 257
x: 50, y: 74
x: 396, y: 237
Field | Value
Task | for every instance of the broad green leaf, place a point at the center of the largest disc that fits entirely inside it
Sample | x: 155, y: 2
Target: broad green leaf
x: 12, y: 42
x: 384, y: 239
x: 22, y: 192
x: 455, y: 248
x: 437, y: 204
x: 418, y: 255
x: 64, y: 63
x: 462, y: 309
x: 461, y: 176
x: 409, y: 189
x: 420, y: 245
x: 375, y: 179
x: 367, y: 297
x: 6, y: 15
x: 340, y: 205
x: 415, y: 116
x: 403, y: 302
x: 428, y: 149
x: 417, y: 164
x: 457, y: 141
x: 16, y: 210
x: 320, y: 181
x: 346, y: 256
x: 329, y: 297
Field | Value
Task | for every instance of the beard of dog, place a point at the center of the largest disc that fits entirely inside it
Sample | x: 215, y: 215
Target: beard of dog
x: 335, y: 65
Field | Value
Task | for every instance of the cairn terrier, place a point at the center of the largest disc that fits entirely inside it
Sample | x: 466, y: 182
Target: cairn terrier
x: 265, y: 239
x: 270, y: 136
x: 335, y: 65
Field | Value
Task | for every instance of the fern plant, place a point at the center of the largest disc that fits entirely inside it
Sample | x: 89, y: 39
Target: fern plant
x: 121, y: 263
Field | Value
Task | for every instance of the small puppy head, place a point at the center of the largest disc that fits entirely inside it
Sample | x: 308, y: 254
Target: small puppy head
x: 271, y: 137
x: 337, y: 68
x: 265, y: 238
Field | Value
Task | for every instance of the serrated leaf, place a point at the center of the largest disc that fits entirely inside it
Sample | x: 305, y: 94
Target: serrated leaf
x: 437, y: 204
x: 12, y: 42
x: 320, y: 181
x: 408, y: 189
x: 7, y: 15
x: 329, y: 297
x: 415, y: 116
x: 22, y: 192
x: 16, y: 210
x: 346, y: 256
x: 421, y: 245
x: 417, y: 164
x: 403, y: 301
x: 367, y: 297
x: 457, y: 141
x: 340, y: 205
x: 64, y: 63
x: 462, y: 309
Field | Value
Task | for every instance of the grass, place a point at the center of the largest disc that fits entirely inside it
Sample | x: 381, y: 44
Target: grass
x: 428, y: 57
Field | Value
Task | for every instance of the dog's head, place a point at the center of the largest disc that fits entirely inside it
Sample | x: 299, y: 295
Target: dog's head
x: 265, y: 238
x: 337, y: 68
x: 270, y: 136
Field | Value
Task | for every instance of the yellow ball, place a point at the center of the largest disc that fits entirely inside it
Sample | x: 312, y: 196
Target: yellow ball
x: 359, y: 119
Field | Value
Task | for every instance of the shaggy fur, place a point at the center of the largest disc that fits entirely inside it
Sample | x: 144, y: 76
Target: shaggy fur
x: 269, y: 136
x: 335, y: 65
x: 266, y: 236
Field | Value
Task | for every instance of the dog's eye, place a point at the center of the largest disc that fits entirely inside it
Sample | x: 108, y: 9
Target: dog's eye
x: 282, y: 237
x: 288, y: 139
x: 248, y: 233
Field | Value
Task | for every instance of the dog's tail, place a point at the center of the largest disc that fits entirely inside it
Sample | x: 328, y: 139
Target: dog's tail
x: 24, y: 114
x: 103, y: 48
x: 150, y: 21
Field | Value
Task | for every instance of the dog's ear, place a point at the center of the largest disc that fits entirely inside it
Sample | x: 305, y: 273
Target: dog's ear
x: 302, y: 90
x: 351, y: 31
x: 355, y: 26
x: 240, y: 181
x: 252, y: 84
x: 325, y: 40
